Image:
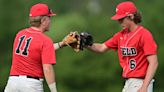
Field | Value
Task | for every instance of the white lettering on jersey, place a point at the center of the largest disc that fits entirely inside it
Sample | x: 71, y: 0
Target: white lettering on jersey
x: 128, y: 51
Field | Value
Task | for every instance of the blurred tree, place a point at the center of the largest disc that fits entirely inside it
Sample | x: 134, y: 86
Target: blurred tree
x: 84, y: 71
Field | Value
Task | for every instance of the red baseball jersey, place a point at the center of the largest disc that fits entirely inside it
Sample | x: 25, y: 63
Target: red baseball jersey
x: 31, y: 50
x: 133, y: 48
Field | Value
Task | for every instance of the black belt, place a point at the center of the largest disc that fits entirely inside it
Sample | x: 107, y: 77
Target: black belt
x: 27, y: 76
x: 134, y: 77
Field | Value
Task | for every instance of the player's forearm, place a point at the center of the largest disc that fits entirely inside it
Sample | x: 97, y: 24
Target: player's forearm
x: 97, y: 47
x: 59, y: 45
x: 50, y: 76
x: 153, y: 64
x: 49, y: 73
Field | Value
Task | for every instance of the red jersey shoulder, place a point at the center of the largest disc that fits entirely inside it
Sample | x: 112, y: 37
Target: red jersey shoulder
x: 118, y: 34
x: 46, y: 38
x: 145, y: 32
x: 20, y: 32
x: 121, y: 32
x: 146, y: 35
x: 114, y: 41
x: 148, y: 43
x: 41, y: 36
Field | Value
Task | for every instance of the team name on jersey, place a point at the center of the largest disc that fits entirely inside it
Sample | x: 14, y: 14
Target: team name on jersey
x: 128, y: 51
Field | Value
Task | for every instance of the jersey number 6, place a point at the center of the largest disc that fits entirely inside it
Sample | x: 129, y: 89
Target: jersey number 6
x: 132, y: 64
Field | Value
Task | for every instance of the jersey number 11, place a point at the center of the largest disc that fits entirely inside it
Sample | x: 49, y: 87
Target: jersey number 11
x: 25, y: 49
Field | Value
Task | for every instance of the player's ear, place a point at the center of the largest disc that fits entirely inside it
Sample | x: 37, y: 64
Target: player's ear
x: 44, y: 20
x: 131, y: 16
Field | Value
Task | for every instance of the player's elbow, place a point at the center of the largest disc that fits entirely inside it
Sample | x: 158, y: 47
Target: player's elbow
x: 156, y: 64
x: 47, y: 68
x: 102, y: 48
x: 99, y: 48
x: 153, y: 60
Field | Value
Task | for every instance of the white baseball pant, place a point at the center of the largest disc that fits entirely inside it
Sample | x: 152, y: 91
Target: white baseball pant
x: 23, y: 84
x: 133, y: 84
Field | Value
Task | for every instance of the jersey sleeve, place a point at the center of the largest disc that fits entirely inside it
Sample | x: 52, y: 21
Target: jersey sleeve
x: 48, y: 52
x: 148, y: 43
x: 112, y: 42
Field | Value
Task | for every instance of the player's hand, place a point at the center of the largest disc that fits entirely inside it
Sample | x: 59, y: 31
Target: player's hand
x: 72, y: 37
x: 142, y: 89
x: 78, y: 41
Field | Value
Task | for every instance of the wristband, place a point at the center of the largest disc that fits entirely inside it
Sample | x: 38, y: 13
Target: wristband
x: 53, y: 87
x: 57, y: 46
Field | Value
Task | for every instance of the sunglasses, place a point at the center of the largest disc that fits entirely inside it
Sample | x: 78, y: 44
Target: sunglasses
x: 50, y: 11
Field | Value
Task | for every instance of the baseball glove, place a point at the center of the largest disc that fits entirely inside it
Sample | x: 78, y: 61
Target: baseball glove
x: 72, y: 37
x: 86, y: 39
x: 73, y: 40
x: 78, y: 41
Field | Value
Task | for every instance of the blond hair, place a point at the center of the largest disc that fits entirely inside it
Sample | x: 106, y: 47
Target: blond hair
x: 35, y: 21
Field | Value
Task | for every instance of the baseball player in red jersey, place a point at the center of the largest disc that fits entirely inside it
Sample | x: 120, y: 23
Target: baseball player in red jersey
x: 136, y: 49
x: 33, y: 54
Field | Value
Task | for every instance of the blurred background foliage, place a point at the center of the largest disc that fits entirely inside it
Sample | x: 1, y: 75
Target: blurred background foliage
x: 85, y: 71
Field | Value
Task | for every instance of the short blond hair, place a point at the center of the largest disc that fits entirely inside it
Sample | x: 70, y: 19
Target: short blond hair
x: 35, y: 21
